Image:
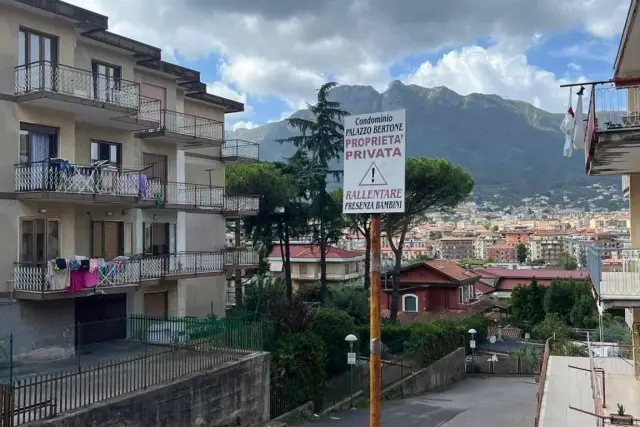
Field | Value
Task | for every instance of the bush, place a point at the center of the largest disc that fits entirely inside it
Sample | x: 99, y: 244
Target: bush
x: 298, y: 367
x: 332, y: 326
x: 354, y: 301
x: 551, y: 326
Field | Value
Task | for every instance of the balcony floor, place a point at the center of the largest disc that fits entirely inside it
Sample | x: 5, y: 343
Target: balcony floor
x: 87, y: 110
x: 617, y: 152
x: 185, y: 141
x: 620, y: 289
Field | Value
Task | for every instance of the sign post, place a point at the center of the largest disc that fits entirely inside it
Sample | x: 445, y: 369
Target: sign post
x: 374, y: 181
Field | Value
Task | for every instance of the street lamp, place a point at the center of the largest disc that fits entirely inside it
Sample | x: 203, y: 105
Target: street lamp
x: 472, y: 345
x: 351, y: 360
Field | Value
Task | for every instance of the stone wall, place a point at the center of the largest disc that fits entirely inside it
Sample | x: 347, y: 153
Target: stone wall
x: 442, y: 373
x: 233, y: 394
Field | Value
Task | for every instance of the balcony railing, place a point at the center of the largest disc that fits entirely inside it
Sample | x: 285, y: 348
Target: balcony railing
x: 237, y: 148
x: 614, y: 281
x: 182, y: 263
x: 44, y: 76
x: 241, y: 204
x: 626, y: 183
x: 100, y: 178
x: 240, y: 257
x: 30, y: 277
x: 330, y: 276
x: 190, y: 126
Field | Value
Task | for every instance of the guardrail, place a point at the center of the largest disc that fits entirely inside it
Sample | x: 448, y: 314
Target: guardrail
x: 241, y: 149
x: 541, y: 377
x: 45, y: 76
x: 621, y: 280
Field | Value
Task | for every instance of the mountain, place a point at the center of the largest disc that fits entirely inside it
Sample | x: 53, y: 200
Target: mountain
x: 510, y: 147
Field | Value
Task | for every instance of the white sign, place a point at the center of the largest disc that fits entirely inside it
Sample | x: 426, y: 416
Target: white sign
x: 472, y: 344
x: 351, y: 358
x: 374, y: 162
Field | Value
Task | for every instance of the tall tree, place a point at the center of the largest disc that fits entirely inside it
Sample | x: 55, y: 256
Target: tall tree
x: 320, y: 139
x: 360, y: 224
x: 522, y: 253
x: 430, y: 185
x: 566, y: 261
x: 278, y: 210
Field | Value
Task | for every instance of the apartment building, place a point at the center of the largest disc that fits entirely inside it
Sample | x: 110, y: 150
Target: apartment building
x: 343, y: 266
x: 112, y: 176
x: 547, y: 245
x: 482, y: 243
x: 503, y: 253
x: 455, y: 248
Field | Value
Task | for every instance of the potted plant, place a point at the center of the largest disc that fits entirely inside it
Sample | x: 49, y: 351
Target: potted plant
x: 621, y: 419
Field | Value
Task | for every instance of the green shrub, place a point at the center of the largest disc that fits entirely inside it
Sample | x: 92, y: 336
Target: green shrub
x: 298, y: 367
x: 332, y: 326
x: 354, y: 301
x: 551, y: 326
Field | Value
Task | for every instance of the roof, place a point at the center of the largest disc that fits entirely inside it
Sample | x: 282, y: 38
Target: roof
x: 538, y: 273
x: 449, y: 269
x: 631, y: 16
x: 94, y: 26
x: 310, y: 251
x: 502, y: 246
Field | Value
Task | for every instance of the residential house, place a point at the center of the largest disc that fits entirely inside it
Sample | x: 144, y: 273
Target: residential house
x: 111, y: 154
x: 499, y: 282
x: 547, y: 245
x: 343, y: 266
x: 435, y: 285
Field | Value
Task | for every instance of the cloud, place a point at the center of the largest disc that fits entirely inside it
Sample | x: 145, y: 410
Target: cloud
x: 243, y: 125
x: 226, y: 91
x: 477, y: 69
x: 287, y: 48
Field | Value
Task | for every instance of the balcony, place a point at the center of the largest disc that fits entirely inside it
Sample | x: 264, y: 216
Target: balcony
x: 36, y: 281
x: 612, y: 140
x: 240, y: 151
x: 626, y: 183
x: 186, y: 130
x: 616, y: 282
x: 241, y: 258
x: 57, y: 179
x: 338, y: 277
x: 92, y: 98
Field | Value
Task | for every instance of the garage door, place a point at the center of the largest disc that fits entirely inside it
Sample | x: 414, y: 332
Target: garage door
x: 101, y: 318
x: 156, y: 304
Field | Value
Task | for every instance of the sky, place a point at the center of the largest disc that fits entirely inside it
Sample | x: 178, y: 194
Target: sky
x: 273, y: 55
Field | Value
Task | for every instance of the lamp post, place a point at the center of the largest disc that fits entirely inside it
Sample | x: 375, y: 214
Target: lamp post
x: 351, y: 360
x: 472, y: 345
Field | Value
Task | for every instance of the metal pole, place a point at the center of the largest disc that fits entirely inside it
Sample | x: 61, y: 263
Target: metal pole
x: 351, y: 376
x: 374, y: 325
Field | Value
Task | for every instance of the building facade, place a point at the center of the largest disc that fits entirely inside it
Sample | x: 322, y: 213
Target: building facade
x: 502, y: 253
x: 455, y: 248
x: 113, y: 175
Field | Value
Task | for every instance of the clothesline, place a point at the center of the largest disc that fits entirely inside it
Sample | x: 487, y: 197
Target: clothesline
x: 79, y: 273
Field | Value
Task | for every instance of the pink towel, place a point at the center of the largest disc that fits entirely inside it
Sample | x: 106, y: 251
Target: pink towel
x: 91, y: 279
x: 77, y: 281
x: 93, y: 265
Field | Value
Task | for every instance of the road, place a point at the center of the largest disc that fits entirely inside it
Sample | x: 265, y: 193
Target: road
x: 495, y: 402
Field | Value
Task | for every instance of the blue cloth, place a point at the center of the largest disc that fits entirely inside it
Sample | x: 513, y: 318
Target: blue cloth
x: 143, y: 186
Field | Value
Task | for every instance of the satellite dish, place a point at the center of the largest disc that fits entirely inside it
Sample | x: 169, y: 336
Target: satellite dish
x: 492, y: 339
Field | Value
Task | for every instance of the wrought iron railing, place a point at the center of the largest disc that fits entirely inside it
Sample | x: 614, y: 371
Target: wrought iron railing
x: 162, y: 266
x: 45, y: 76
x: 240, y: 257
x: 241, y: 204
x: 330, y: 276
x: 191, y: 126
x: 58, y: 176
x: 241, y: 149
x: 42, y: 278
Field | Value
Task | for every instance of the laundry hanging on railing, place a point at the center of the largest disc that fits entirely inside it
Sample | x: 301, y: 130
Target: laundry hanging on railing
x: 579, y: 125
x: 567, y: 127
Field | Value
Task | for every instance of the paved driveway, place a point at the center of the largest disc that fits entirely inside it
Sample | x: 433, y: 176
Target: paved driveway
x: 474, y: 402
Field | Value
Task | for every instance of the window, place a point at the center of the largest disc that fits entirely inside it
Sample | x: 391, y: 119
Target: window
x: 460, y: 295
x: 347, y: 268
x: 40, y: 240
x: 106, y: 81
x: 303, y: 269
x: 109, y: 151
x: 38, y: 55
x: 37, y: 143
x: 110, y: 239
x: 159, y: 238
x: 409, y: 303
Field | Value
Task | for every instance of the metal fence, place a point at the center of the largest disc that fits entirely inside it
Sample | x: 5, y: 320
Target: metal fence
x: 516, y: 365
x: 155, y: 350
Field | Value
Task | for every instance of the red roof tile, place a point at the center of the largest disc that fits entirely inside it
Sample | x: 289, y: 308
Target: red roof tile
x: 299, y: 250
x: 538, y: 273
x: 451, y: 269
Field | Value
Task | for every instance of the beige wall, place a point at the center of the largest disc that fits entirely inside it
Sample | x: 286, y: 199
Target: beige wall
x: 86, y: 52
x: 169, y: 83
x: 196, y: 171
x: 9, y: 212
x: 11, y: 19
x: 9, y: 128
x: 204, y: 296
x: 634, y: 209
x: 203, y: 109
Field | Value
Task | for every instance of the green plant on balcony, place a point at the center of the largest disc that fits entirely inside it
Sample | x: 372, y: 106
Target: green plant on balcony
x: 621, y: 418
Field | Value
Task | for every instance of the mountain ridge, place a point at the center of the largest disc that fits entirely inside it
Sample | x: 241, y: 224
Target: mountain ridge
x: 504, y: 144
